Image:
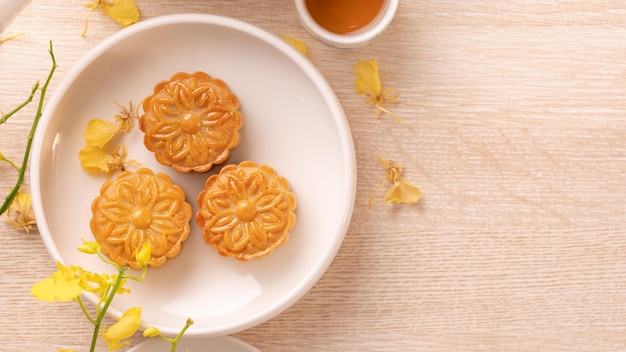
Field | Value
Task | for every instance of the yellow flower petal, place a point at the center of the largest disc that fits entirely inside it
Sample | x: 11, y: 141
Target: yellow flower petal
x: 368, y: 83
x: 300, y: 46
x: 20, y: 213
x: 402, y: 192
x: 58, y: 287
x: 95, y: 160
x: 123, y: 329
x: 368, y: 79
x: 124, y: 12
x: 99, y: 132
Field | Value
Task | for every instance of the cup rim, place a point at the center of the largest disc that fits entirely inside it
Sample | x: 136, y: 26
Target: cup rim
x: 355, y: 39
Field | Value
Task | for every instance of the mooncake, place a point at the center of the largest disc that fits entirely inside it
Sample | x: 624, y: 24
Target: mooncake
x: 138, y: 207
x: 246, y: 211
x: 191, y: 122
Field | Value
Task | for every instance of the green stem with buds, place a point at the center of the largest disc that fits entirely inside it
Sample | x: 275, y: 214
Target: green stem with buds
x: 22, y: 171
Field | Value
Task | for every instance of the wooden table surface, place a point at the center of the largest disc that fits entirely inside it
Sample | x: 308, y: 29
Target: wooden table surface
x: 514, y: 128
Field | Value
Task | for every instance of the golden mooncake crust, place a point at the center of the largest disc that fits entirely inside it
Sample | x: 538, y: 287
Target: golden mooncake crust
x: 191, y: 122
x: 246, y: 211
x: 136, y: 207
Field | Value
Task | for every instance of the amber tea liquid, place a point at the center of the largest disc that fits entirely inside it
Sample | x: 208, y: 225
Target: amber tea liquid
x: 344, y: 16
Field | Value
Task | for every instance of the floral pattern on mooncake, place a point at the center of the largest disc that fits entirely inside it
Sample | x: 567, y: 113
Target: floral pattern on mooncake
x: 191, y: 122
x: 136, y: 207
x: 246, y: 211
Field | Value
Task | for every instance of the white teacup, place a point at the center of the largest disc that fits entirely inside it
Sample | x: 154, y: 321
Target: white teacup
x: 357, y: 38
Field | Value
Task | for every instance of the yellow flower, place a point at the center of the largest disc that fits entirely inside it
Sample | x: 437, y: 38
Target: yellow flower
x: 60, y: 287
x: 401, y: 191
x: 124, y: 12
x: 101, y: 283
x: 123, y: 329
x: 75, y: 276
x: 300, y: 46
x: 20, y: 213
x: 368, y: 83
x: 144, y: 255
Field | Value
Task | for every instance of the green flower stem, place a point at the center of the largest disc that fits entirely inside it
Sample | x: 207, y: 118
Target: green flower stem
x: 180, y: 334
x: 84, y: 309
x: 142, y: 277
x: 11, y: 163
x: 104, y: 309
x: 5, y: 117
x: 107, y: 261
x: 20, y: 179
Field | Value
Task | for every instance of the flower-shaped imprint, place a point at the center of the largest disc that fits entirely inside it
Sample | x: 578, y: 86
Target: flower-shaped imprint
x: 191, y: 122
x: 136, y: 207
x: 246, y: 211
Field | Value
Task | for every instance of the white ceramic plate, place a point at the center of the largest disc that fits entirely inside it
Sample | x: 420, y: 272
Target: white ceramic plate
x: 218, y: 344
x: 292, y: 122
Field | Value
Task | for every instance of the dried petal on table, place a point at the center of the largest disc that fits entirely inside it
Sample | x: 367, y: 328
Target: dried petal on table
x: 401, y: 191
x: 124, y: 12
x: 368, y: 83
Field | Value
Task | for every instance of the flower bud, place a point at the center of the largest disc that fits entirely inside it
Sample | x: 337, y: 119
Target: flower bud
x: 151, y: 332
x: 144, y: 254
x: 89, y: 247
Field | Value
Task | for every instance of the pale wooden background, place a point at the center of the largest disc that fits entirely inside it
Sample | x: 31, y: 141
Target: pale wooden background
x: 515, y: 130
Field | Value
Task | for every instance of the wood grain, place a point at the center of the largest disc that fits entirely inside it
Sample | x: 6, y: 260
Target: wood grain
x: 514, y: 128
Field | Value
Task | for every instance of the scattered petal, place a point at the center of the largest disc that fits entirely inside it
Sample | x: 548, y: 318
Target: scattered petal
x: 124, y: 12
x: 20, y: 213
x: 123, y: 329
x: 401, y: 191
x: 99, y: 132
x: 368, y: 79
x: 95, y: 160
x: 368, y: 83
x: 300, y: 46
